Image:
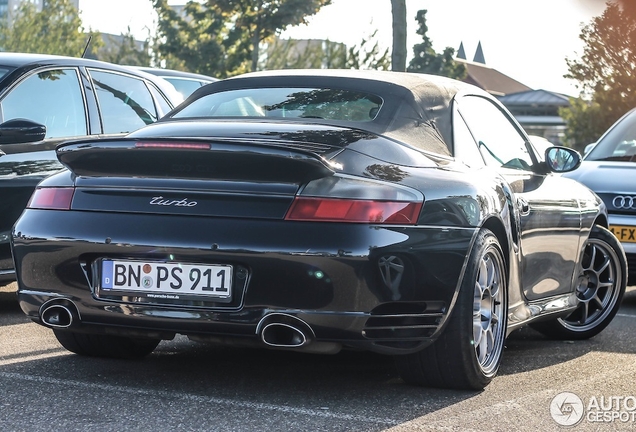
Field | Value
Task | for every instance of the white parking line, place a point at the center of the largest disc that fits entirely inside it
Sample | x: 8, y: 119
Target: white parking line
x: 325, y: 413
x: 626, y: 315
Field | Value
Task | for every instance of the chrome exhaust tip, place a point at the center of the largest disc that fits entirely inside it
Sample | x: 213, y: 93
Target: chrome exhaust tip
x: 281, y: 330
x: 59, y: 315
x: 283, y: 336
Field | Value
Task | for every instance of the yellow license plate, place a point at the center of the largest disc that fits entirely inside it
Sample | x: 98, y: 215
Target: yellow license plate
x: 626, y: 234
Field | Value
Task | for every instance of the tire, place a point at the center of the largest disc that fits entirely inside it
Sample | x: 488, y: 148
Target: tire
x: 98, y: 345
x: 468, y: 352
x: 601, y: 285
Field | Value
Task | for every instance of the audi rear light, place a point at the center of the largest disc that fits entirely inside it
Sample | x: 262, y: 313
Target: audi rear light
x: 348, y: 199
x: 59, y: 198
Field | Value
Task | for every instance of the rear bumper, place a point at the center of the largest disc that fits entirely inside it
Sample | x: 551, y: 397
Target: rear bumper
x: 333, y: 277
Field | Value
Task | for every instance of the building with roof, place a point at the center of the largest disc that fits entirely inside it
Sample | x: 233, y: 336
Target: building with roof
x: 536, y: 110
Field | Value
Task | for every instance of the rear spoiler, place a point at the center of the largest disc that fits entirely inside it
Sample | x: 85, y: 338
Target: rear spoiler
x: 193, y: 159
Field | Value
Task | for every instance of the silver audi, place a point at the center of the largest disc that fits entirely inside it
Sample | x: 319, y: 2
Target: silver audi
x: 609, y: 169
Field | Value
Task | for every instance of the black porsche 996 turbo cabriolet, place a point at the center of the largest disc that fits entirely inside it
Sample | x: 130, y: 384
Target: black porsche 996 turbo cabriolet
x: 399, y: 213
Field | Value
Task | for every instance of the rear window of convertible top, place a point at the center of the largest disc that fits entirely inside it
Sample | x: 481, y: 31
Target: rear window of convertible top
x: 320, y: 103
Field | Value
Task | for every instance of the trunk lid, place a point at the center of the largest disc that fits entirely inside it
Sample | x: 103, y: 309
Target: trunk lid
x: 222, y: 177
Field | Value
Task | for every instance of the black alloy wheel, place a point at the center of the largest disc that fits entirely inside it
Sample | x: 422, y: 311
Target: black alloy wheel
x: 600, y: 289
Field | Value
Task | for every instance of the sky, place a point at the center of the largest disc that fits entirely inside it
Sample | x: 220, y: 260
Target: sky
x: 527, y: 40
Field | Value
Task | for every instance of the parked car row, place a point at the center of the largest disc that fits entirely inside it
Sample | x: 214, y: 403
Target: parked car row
x: 316, y: 211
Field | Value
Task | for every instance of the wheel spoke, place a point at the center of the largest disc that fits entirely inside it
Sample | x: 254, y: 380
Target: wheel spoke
x: 596, y: 299
x: 490, y: 272
x: 482, y: 277
x: 584, y: 313
x: 606, y: 263
x: 592, y: 258
x: 477, y: 333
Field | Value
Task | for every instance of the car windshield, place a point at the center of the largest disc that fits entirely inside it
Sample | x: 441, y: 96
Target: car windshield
x: 619, y: 143
x: 322, y: 103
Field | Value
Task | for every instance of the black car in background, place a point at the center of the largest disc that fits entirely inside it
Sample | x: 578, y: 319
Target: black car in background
x: 45, y: 100
x: 322, y: 210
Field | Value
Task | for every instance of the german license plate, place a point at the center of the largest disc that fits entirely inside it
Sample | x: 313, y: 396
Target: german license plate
x: 167, y: 280
x: 626, y: 234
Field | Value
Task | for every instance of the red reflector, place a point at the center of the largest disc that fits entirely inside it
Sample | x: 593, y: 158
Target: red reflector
x: 173, y: 145
x: 361, y: 211
x: 51, y: 198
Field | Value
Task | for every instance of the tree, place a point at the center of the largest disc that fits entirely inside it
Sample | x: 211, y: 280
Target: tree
x: 222, y: 37
x: 316, y: 54
x: 124, y: 49
x: 193, y: 40
x: 367, y: 55
x: 398, y: 53
x: 55, y: 30
x: 304, y: 54
x: 426, y: 60
x: 606, y: 74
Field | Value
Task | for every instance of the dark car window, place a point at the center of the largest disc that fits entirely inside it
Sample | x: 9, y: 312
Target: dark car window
x: 51, y: 97
x: 619, y: 144
x: 324, y: 103
x: 498, y: 140
x: 464, y: 146
x: 125, y: 102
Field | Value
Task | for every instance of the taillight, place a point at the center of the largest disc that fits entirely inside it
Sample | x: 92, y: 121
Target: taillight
x: 349, y: 199
x: 342, y: 210
x: 51, y: 198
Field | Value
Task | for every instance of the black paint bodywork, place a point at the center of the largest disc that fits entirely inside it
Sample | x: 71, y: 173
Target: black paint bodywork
x: 332, y: 276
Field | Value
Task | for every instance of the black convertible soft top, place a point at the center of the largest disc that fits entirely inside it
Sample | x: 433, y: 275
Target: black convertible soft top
x: 416, y: 108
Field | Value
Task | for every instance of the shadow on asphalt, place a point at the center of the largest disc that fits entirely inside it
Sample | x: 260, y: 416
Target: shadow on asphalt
x: 527, y: 349
x: 197, y: 368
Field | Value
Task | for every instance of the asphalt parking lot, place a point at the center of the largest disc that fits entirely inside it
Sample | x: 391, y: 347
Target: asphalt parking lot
x: 189, y: 386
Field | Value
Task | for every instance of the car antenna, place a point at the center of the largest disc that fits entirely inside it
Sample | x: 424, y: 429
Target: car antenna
x: 88, y: 42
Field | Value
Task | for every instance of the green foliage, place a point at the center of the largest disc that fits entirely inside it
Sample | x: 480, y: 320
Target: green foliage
x: 222, y: 37
x: 304, y: 54
x: 125, y: 50
x: 367, y: 55
x: 585, y: 122
x: 55, y: 30
x: 426, y: 60
x: 313, y: 54
x: 606, y: 74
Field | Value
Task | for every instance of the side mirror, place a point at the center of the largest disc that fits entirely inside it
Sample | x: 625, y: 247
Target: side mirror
x: 588, y: 148
x: 19, y: 131
x: 562, y: 159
